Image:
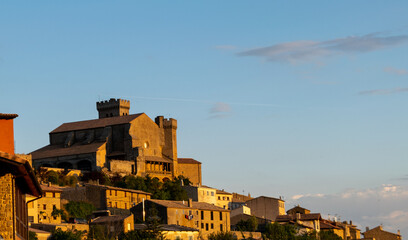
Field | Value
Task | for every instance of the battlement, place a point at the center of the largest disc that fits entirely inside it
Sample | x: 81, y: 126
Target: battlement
x: 170, y: 123
x: 113, y: 108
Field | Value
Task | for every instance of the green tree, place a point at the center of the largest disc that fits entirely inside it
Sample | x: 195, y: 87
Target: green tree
x: 277, y: 231
x: 329, y: 235
x: 53, y: 177
x: 99, y: 232
x: 59, y: 212
x: 58, y: 234
x: 249, y: 225
x: 222, y: 236
x: 32, y: 236
x: 79, y: 209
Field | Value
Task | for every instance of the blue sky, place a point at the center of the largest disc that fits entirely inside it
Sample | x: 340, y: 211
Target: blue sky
x: 280, y: 98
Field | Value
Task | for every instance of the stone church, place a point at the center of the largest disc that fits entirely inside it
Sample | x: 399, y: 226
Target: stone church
x: 119, y: 142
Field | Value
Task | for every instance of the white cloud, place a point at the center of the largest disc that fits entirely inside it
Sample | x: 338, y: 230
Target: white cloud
x: 383, y: 91
x: 385, y: 204
x: 395, y: 71
x: 306, y: 50
x: 220, y: 110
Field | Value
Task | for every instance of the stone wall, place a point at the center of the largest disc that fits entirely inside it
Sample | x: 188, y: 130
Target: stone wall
x: 6, y: 206
x: 192, y: 171
x: 120, y: 166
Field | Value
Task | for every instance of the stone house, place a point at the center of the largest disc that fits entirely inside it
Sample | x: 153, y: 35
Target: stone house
x: 17, y: 179
x: 308, y: 221
x: 120, y: 142
x: 105, y: 197
x: 190, y: 168
x: 378, y: 233
x: 206, y: 217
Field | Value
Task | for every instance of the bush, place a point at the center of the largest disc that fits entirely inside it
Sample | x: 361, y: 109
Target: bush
x: 222, y: 236
x: 79, y: 209
x: 58, y: 234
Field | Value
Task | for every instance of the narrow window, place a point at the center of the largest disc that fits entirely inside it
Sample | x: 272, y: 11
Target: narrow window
x: 212, y: 225
x: 206, y: 226
x: 44, y: 206
x: 202, y: 215
x: 202, y: 225
x: 221, y: 215
x: 212, y: 215
x: 221, y: 228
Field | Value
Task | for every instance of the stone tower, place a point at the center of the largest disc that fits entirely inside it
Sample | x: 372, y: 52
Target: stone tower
x: 113, y: 108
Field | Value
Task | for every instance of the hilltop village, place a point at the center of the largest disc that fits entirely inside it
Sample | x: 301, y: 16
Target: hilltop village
x: 119, y: 177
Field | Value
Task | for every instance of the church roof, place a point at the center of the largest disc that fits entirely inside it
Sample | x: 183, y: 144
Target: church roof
x: 60, y: 150
x: 188, y: 161
x: 96, y: 123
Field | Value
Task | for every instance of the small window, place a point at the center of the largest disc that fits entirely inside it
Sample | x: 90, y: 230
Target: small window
x: 202, y: 225
x: 206, y: 226
x: 221, y: 215
x: 44, y: 217
x: 221, y: 228
x: 223, y: 198
x: 202, y: 215
x: 228, y: 198
x: 219, y: 198
x: 44, y: 206
x: 208, y: 193
x: 212, y: 215
x: 212, y: 193
x: 212, y: 225
x: 53, y: 194
x: 55, y: 218
x: 116, y: 193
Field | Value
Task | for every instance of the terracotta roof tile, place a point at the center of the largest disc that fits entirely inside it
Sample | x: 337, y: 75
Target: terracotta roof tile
x: 60, y: 150
x: 46, y: 188
x: 8, y: 116
x: 223, y: 192
x: 303, y: 217
x: 119, y: 189
x: 187, y: 161
x: 96, y: 123
x: 113, y: 218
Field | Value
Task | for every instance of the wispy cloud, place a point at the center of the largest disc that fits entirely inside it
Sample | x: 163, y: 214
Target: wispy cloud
x: 383, y: 91
x: 306, y: 50
x: 220, y: 110
x: 385, y: 204
x: 395, y: 71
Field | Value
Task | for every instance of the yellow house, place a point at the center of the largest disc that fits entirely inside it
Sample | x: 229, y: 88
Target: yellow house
x: 202, y: 194
x: 42, y: 208
x: 224, y: 199
x: 104, y: 197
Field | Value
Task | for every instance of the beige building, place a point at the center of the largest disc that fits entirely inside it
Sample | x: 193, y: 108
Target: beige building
x: 208, y: 218
x: 118, y: 141
x: 202, y: 194
x: 113, y: 225
x: 378, y: 233
x: 266, y: 207
x: 191, y: 169
x: 307, y: 221
x: 224, y: 199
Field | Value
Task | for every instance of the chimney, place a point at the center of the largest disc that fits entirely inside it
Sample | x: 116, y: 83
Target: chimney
x: 190, y: 202
x: 351, y: 222
x: 367, y: 229
x: 399, y: 232
x: 7, y: 132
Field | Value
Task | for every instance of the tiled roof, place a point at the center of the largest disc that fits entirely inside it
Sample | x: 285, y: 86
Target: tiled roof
x: 223, y: 192
x: 328, y: 225
x: 119, y: 189
x: 8, y: 116
x: 179, y: 204
x: 114, y: 218
x: 165, y: 227
x: 60, y: 150
x: 46, y: 188
x: 22, y: 170
x: 187, y: 161
x: 96, y: 123
x: 303, y: 217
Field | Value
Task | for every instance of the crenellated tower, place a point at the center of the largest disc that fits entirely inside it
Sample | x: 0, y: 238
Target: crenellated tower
x: 113, y: 108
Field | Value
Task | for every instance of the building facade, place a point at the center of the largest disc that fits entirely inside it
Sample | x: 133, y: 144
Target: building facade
x: 266, y: 207
x: 378, y: 233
